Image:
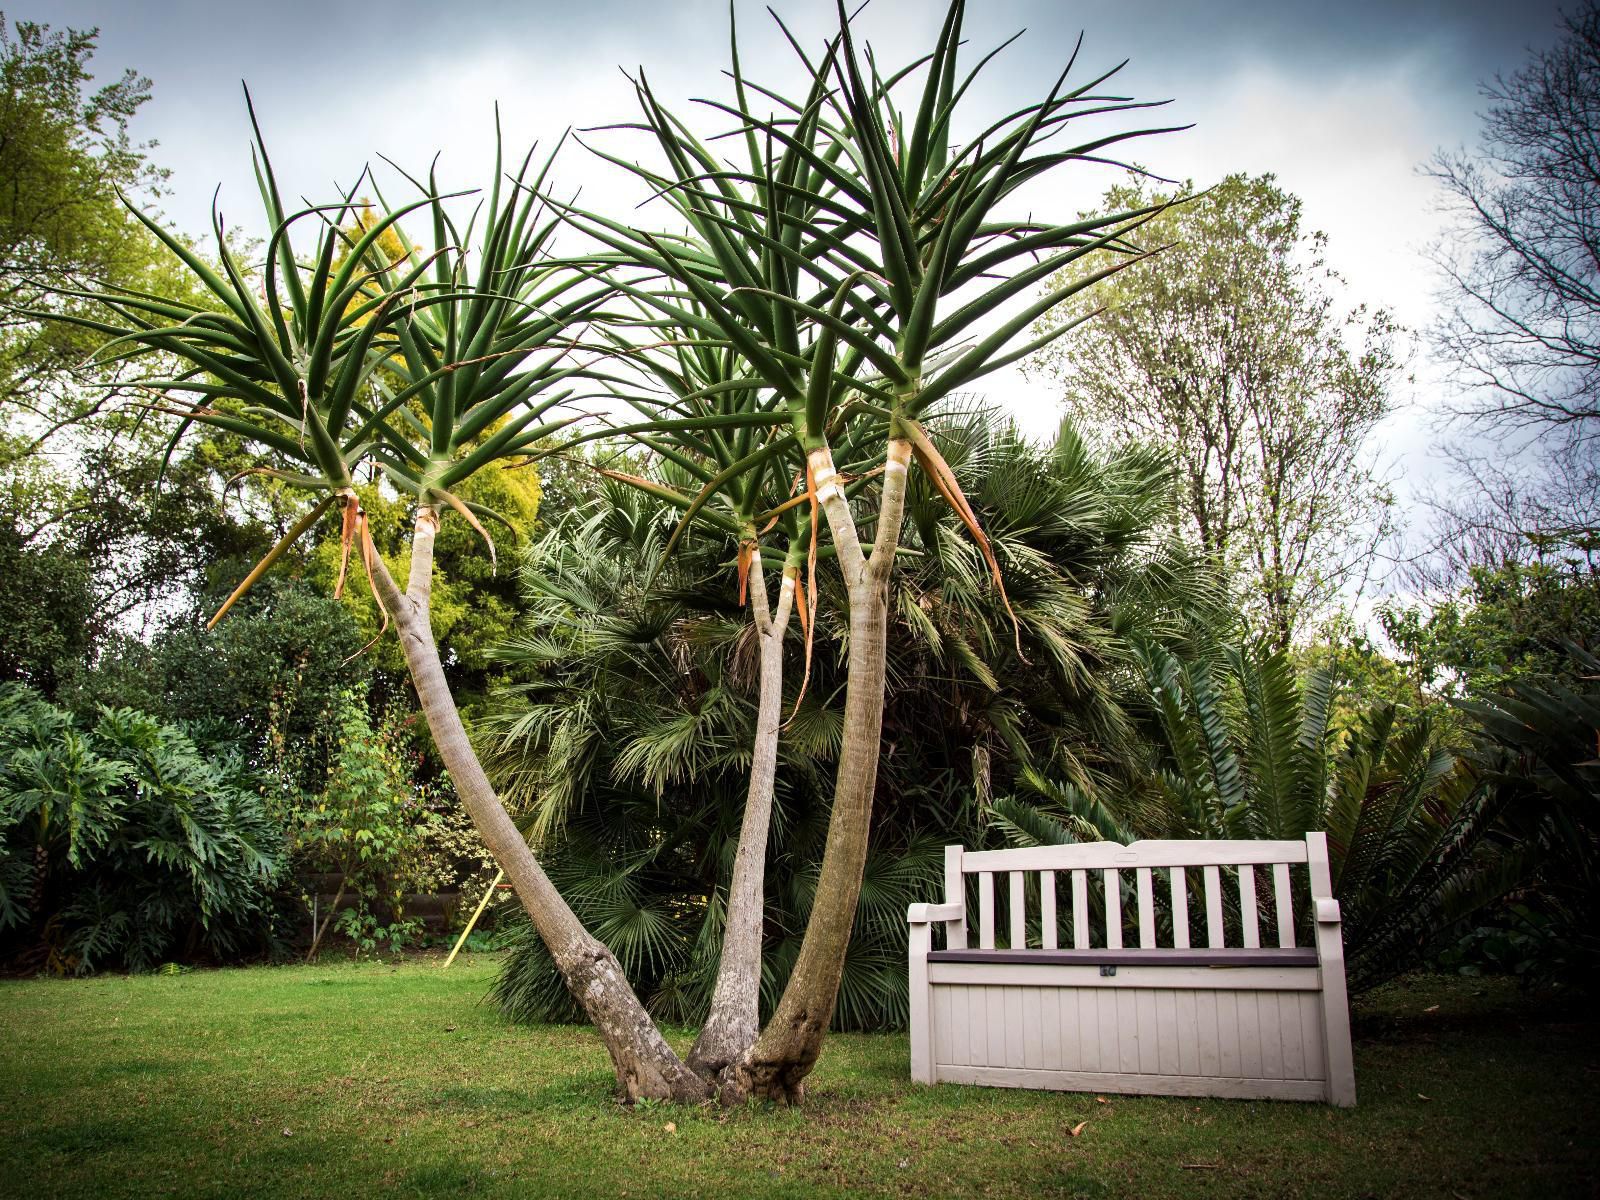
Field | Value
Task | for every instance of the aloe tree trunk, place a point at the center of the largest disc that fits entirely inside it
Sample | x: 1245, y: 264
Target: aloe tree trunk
x: 731, y: 1026
x: 777, y: 1064
x: 646, y: 1067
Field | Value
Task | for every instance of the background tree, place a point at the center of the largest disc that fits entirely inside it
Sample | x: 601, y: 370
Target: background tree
x: 1523, y: 260
x: 1227, y: 350
x: 64, y: 154
x: 1520, y: 328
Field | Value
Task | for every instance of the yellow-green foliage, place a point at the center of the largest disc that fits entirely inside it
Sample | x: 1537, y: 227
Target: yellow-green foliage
x: 473, y: 601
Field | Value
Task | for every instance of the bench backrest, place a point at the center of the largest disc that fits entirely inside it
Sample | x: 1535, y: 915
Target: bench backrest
x: 1241, y: 886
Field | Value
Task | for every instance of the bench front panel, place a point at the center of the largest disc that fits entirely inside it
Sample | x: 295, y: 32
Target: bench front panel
x: 1167, y: 1031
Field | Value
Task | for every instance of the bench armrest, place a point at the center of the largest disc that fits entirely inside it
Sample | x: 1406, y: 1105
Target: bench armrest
x: 1327, y: 911
x: 923, y: 914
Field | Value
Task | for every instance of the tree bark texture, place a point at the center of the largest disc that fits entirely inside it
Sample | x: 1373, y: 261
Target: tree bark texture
x: 731, y: 1026
x: 776, y: 1066
x: 646, y: 1067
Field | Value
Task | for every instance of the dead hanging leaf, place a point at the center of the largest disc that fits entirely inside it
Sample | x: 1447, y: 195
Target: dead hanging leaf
x: 347, y: 534
x: 747, y: 551
x: 1431, y: 1008
x: 271, y: 556
x: 806, y: 593
x: 459, y: 505
x: 1077, y: 1129
x: 944, y: 479
x: 369, y: 556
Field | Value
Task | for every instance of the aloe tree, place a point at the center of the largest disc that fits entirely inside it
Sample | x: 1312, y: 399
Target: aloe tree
x: 422, y: 367
x: 747, y: 475
x: 861, y: 265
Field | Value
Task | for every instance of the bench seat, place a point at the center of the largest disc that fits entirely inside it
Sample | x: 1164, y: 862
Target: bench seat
x: 1228, y: 956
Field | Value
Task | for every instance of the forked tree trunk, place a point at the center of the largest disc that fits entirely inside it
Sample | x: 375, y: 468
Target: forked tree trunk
x: 777, y: 1064
x: 646, y: 1067
x: 731, y: 1026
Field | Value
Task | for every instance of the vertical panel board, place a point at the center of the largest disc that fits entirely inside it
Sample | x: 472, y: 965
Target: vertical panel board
x: 1072, y: 1058
x: 1147, y: 910
x: 1127, y: 1008
x: 960, y: 1041
x: 1033, y: 1027
x: 977, y: 1027
x: 1168, y: 1036
x: 1113, y: 888
x: 1047, y: 910
x: 1311, y: 1035
x: 1080, y: 910
x: 1229, y: 1060
x: 1011, y: 1000
x: 1019, y: 913
x: 1050, y: 1028
x: 1188, y: 1033
x: 1180, y: 909
x: 1110, y: 1048
x: 1283, y: 898
x: 1249, y: 1035
x: 1247, y: 907
x: 1294, y: 1047
x: 939, y: 1035
x: 1210, y: 1039
x: 986, y: 910
x: 1149, y: 1032
x: 1271, y: 1024
x: 1213, y: 879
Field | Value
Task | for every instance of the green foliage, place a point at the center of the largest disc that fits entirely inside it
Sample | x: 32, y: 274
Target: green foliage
x: 367, y: 826
x: 628, y: 748
x: 123, y: 844
x: 1537, y: 751
x: 1506, y: 623
x: 268, y: 679
x: 1247, y: 749
x: 1228, y: 352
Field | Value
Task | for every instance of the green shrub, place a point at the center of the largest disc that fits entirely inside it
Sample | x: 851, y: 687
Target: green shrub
x: 122, y: 845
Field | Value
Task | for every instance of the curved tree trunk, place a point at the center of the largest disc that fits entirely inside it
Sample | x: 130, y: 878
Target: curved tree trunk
x: 776, y: 1066
x: 735, y: 1015
x: 646, y: 1066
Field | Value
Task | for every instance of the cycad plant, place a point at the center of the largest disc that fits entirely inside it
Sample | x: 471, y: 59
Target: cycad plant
x: 1245, y: 749
x: 859, y: 262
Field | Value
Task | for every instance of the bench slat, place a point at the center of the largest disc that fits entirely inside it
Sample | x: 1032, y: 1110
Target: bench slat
x: 1283, y: 896
x: 1047, y: 909
x: 1099, y: 855
x: 1231, y: 956
x: 1147, y: 910
x: 1113, y: 887
x: 1247, y: 907
x: 1180, y: 910
x: 1080, y: 910
x: 1019, y: 913
x: 986, y: 910
x: 1213, y: 877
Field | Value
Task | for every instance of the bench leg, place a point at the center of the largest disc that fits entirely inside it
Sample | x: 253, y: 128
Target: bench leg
x: 921, y: 1017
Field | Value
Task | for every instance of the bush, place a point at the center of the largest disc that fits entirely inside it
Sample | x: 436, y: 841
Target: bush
x: 122, y: 845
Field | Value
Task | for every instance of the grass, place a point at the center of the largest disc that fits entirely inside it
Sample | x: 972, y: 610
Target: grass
x: 355, y: 1080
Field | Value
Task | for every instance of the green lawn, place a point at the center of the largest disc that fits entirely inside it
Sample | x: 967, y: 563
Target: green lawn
x: 355, y: 1080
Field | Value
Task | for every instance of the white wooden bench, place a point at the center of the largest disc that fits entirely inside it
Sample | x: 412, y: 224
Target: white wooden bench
x: 1078, y: 1010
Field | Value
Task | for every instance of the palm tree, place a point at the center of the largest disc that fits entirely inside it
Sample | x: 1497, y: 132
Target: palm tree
x: 644, y: 690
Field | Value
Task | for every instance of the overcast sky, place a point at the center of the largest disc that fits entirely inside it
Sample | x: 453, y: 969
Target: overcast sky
x: 1343, y: 101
